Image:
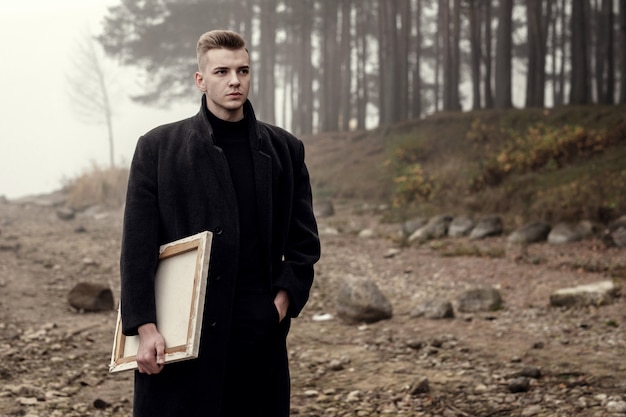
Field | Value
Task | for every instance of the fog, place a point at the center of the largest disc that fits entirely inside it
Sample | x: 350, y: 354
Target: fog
x: 42, y: 142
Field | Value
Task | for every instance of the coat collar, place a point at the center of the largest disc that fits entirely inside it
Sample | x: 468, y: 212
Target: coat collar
x: 253, y: 125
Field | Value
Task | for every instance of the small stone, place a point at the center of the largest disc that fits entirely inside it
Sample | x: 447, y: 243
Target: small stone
x: 27, y: 400
x: 616, y: 407
x: 353, y: 396
x: 521, y: 384
x: 420, y: 386
x: 311, y: 393
x: 391, y: 253
x: 531, y: 372
x: 100, y: 404
x: 335, y: 365
x: 532, y: 410
x: 480, y: 389
x: 66, y: 213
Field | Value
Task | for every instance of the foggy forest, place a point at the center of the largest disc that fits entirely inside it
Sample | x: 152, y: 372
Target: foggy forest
x: 336, y: 65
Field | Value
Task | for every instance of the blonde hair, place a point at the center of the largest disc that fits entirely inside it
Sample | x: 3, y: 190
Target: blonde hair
x: 216, y: 39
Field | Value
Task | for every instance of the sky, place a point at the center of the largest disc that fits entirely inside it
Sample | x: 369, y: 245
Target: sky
x: 43, y: 142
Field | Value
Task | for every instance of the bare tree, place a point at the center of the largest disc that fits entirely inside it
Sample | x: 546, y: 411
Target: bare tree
x: 88, y: 88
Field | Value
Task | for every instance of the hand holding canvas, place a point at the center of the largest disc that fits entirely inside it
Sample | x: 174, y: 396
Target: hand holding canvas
x: 151, y: 351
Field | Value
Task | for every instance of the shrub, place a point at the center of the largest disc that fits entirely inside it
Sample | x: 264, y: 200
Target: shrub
x: 538, y: 148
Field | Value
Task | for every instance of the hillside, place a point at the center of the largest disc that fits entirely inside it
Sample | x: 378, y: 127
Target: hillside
x: 558, y: 164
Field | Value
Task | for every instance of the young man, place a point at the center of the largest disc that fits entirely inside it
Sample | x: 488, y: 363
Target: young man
x: 246, y: 181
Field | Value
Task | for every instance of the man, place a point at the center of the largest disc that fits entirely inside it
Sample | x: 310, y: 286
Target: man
x: 246, y: 181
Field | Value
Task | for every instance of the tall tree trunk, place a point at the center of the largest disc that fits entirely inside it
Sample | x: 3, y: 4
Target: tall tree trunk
x: 446, y: 41
x: 488, y: 58
x: 346, y: 68
x: 476, y: 52
x: 622, y: 27
x: 387, y: 61
x: 553, y: 54
x: 437, y: 93
x: 362, y: 23
x: 608, y: 76
x: 403, y: 36
x: 416, y: 78
x: 304, y: 11
x: 598, y: 41
x: 538, y: 20
x: 504, y: 48
x: 266, y: 73
x: 455, y: 98
x: 564, y: 57
x: 579, y: 93
x: 329, y: 107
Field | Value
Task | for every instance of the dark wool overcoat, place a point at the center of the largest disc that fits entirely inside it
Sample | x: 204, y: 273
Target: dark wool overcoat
x: 180, y: 185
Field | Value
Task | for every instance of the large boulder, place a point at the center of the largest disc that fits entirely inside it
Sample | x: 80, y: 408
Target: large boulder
x: 360, y: 301
x: 91, y: 297
x: 437, y: 227
x: 410, y: 226
x: 594, y: 294
x: 460, y: 226
x: 434, y: 309
x: 532, y: 232
x: 481, y: 299
x: 568, y: 232
x: 486, y: 227
x: 615, y: 233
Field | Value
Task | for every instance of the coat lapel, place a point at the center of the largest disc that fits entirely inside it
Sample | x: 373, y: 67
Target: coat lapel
x: 263, y: 179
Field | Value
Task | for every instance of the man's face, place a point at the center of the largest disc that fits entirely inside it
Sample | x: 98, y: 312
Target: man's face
x: 225, y: 80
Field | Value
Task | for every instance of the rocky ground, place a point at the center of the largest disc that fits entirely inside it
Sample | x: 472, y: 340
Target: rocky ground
x: 528, y: 359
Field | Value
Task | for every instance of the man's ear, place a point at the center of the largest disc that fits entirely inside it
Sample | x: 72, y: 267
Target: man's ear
x: 200, y: 81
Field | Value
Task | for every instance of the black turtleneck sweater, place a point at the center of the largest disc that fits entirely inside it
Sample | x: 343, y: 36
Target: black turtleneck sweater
x: 233, y: 139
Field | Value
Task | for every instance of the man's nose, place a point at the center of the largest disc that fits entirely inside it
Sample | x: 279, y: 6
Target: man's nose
x: 234, y: 79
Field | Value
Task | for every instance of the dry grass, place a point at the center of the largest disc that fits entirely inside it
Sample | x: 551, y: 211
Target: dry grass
x: 97, y: 186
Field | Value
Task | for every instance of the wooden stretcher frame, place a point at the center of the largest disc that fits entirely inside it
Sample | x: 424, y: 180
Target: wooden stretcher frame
x: 180, y: 288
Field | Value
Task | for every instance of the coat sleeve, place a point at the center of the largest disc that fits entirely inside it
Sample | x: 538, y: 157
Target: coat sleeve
x: 302, y: 245
x: 140, y: 237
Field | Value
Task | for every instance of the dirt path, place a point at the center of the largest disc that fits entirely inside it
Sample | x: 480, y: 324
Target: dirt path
x: 54, y: 361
